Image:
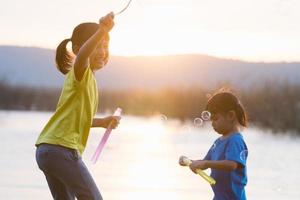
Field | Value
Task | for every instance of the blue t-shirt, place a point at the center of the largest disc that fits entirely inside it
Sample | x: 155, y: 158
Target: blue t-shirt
x: 230, y: 184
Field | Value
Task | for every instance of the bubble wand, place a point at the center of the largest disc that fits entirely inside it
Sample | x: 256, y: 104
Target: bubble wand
x: 125, y: 8
x: 101, y: 144
x: 209, y: 179
x: 117, y: 113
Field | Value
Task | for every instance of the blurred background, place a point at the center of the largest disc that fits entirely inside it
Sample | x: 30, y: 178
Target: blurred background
x: 167, y: 59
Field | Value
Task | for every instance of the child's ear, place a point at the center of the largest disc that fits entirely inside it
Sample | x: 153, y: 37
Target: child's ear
x: 231, y: 115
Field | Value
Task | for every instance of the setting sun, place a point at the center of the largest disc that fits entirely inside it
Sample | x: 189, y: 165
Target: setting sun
x: 225, y: 29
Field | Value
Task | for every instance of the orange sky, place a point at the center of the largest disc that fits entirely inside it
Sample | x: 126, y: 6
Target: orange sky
x: 250, y: 29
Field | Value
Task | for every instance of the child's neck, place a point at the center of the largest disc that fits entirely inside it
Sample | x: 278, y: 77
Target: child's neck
x: 235, y: 129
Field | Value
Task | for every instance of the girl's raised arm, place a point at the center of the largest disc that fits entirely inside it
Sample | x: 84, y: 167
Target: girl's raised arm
x: 106, y: 23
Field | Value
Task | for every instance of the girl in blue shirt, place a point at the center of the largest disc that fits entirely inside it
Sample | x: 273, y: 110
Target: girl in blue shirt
x: 228, y: 155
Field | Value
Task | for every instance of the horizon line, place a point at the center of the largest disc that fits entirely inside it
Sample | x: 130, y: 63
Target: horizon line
x: 238, y: 59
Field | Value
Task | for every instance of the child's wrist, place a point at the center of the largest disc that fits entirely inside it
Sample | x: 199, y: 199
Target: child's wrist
x: 206, y: 164
x: 103, y: 30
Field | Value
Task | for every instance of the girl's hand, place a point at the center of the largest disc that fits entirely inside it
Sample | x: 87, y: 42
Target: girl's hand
x: 111, y: 122
x: 107, y: 22
x: 198, y: 164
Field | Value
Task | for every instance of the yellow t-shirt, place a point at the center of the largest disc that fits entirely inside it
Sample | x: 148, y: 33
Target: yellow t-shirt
x: 70, y: 124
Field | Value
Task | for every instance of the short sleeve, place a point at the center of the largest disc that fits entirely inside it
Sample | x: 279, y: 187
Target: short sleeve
x: 237, y: 151
x: 208, y: 155
x: 83, y: 81
x: 84, y: 76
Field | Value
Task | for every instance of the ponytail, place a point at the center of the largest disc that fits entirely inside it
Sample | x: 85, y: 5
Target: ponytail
x: 80, y: 35
x: 241, y: 114
x: 63, y: 58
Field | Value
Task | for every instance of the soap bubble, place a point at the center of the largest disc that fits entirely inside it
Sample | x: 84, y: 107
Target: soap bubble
x: 163, y: 118
x: 186, y: 129
x: 198, y: 122
x: 205, y: 115
x: 244, y: 155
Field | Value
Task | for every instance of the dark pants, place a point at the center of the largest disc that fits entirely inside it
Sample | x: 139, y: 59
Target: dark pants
x: 66, y: 174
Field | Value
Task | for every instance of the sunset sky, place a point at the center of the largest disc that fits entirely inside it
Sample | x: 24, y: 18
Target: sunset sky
x: 255, y: 30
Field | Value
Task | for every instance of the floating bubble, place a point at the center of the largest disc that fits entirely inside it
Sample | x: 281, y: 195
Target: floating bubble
x: 198, y: 122
x: 244, y: 155
x: 205, y: 115
x: 163, y: 118
x: 186, y: 129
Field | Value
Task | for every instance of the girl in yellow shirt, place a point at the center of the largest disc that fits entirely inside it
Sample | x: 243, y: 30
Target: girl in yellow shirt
x: 63, y: 139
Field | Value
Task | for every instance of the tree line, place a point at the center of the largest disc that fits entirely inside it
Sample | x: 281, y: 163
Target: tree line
x: 275, y: 106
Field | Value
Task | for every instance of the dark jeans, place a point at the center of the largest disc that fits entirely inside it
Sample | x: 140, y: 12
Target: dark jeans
x: 66, y: 174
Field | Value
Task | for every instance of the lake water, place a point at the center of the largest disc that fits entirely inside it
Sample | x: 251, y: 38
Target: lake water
x: 140, y: 160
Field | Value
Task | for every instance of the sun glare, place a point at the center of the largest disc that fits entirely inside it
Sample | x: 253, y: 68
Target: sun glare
x: 152, y: 27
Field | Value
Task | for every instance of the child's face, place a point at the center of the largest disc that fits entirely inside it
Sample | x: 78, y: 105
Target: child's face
x: 221, y: 123
x: 99, y: 57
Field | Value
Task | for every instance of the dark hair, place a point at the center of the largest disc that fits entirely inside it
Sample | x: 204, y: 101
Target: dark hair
x: 223, y: 102
x: 80, y: 35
